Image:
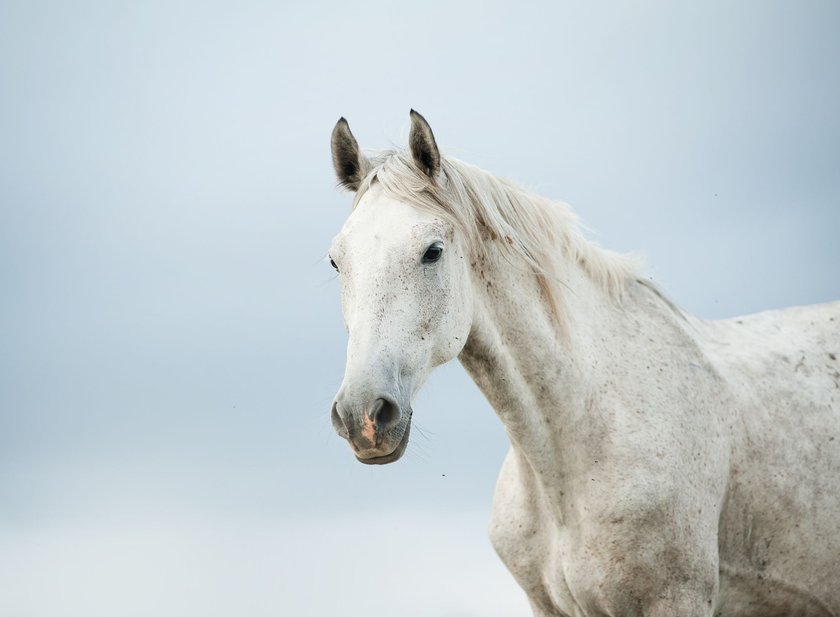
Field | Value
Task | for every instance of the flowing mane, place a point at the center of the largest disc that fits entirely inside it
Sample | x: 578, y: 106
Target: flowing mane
x: 541, y: 234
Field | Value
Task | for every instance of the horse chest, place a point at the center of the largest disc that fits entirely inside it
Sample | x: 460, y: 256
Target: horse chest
x: 529, y: 543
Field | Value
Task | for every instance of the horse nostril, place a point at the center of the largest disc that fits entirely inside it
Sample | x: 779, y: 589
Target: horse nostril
x: 338, y: 422
x: 384, y: 413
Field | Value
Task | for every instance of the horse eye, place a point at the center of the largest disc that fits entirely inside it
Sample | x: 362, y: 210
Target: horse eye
x: 332, y: 263
x: 433, y: 253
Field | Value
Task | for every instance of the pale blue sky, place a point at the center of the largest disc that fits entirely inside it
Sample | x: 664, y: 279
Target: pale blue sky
x: 171, y: 337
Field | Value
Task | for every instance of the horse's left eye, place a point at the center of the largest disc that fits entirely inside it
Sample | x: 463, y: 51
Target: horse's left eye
x: 433, y: 253
x: 332, y: 263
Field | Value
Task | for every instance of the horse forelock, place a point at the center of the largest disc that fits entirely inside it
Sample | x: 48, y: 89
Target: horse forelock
x: 540, y: 236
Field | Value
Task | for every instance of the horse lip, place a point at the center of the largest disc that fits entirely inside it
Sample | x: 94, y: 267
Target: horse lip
x: 395, y: 454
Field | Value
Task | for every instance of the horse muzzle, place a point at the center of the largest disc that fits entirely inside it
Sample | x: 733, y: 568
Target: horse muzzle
x: 377, y: 432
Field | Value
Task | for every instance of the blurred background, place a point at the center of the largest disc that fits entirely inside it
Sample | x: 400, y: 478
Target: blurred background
x: 170, y: 332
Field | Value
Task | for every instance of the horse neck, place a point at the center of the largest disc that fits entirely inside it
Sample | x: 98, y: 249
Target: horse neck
x: 541, y: 378
x: 527, y: 365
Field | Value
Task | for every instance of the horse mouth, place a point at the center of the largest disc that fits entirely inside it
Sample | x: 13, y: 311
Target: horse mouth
x: 393, y: 456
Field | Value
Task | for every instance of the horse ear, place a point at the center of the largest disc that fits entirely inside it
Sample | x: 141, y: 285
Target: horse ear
x: 349, y: 162
x: 424, y: 150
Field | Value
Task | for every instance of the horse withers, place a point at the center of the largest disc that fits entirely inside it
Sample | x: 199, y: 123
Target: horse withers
x: 660, y: 465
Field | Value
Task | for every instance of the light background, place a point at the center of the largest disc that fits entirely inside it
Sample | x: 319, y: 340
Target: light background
x: 170, y: 335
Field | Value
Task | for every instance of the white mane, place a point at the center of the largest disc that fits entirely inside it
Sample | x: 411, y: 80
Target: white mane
x: 530, y: 229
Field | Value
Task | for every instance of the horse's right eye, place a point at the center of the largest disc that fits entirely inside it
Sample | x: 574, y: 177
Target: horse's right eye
x: 433, y: 253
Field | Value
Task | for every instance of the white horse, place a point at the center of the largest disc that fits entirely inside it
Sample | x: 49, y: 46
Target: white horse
x: 660, y: 465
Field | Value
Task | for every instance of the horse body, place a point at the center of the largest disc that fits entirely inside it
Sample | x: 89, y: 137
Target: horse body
x: 659, y: 464
x: 700, y: 472
x: 779, y: 540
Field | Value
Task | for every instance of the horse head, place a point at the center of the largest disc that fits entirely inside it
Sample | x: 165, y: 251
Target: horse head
x: 405, y: 289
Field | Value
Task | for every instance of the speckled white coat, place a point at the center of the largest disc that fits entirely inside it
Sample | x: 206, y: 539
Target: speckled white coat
x: 660, y: 465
